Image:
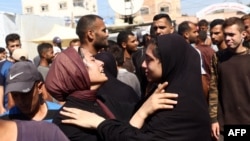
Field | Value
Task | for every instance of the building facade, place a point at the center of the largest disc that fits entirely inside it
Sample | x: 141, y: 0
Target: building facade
x: 68, y: 9
x: 73, y: 9
x: 153, y: 7
x: 150, y: 8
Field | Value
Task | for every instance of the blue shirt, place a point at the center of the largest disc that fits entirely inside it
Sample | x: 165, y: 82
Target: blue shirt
x: 15, y: 113
x: 5, y: 67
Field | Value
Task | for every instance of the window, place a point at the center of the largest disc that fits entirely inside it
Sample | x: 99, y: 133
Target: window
x: 94, y: 8
x: 29, y: 10
x: 144, y: 11
x: 164, y: 9
x: 63, y: 5
x: 45, y: 8
x: 86, y: 5
x: 78, y: 3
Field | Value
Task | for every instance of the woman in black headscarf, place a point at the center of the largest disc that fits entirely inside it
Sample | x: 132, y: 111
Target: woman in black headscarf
x: 173, y: 60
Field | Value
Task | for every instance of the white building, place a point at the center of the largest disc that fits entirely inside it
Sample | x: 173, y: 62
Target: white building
x: 68, y: 9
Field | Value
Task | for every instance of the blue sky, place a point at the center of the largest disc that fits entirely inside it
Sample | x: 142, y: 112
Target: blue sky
x: 187, y: 6
x: 11, y: 6
x: 192, y: 6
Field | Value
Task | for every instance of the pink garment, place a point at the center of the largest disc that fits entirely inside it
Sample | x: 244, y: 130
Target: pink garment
x: 68, y: 76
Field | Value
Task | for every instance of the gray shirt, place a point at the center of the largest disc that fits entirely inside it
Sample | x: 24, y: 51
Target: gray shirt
x: 43, y: 70
x: 129, y: 79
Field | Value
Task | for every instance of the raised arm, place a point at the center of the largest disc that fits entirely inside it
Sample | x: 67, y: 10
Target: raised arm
x: 158, y: 100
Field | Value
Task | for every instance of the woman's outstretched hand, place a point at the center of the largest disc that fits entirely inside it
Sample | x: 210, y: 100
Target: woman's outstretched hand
x: 81, y: 118
x: 158, y: 100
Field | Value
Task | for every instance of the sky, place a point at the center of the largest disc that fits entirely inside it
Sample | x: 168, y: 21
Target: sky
x: 13, y: 6
x: 189, y: 7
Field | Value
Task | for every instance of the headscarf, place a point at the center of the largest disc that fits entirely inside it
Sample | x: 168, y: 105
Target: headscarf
x: 68, y: 76
x: 180, y: 61
x: 110, y: 67
x: 118, y: 96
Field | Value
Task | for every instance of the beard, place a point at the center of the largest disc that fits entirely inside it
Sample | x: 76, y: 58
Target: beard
x: 49, y: 61
x: 247, y: 38
x: 130, y: 51
x: 100, y: 45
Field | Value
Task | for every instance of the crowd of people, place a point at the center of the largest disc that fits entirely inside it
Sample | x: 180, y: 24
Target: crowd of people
x: 183, y: 84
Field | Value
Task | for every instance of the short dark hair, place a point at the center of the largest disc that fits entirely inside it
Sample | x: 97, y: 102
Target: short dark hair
x: 2, y: 50
x: 234, y: 20
x: 11, y: 38
x: 216, y: 22
x: 86, y: 22
x: 73, y: 41
x: 43, y: 47
x: 203, y: 22
x: 183, y: 27
x: 162, y: 15
x: 145, y: 39
x: 123, y: 36
x: 202, y: 35
x: 245, y: 17
x: 116, y: 51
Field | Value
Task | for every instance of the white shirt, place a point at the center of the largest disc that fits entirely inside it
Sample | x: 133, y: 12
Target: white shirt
x: 56, y: 49
x: 202, y: 67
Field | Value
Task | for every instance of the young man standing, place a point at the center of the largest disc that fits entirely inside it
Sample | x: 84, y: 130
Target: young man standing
x: 188, y: 30
x: 12, y: 42
x: 203, y: 26
x: 46, y: 54
x: 129, y: 43
x: 217, y: 36
x: 216, y: 33
x: 92, y: 33
x: 206, y: 54
x: 232, y: 77
x: 162, y: 24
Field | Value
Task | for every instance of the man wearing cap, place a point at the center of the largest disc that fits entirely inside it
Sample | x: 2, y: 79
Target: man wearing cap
x: 20, y: 54
x: 25, y: 83
x: 57, y: 45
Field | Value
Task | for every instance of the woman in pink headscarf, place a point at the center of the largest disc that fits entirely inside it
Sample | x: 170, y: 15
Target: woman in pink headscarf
x: 74, y: 78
